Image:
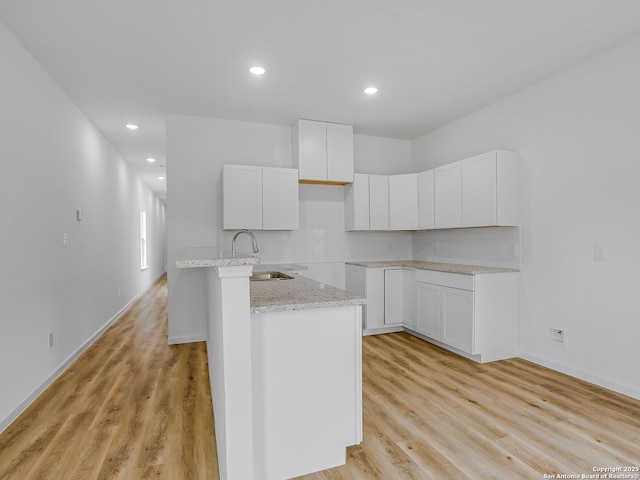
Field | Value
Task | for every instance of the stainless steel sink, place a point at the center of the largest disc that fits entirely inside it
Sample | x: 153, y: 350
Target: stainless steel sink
x: 264, y: 276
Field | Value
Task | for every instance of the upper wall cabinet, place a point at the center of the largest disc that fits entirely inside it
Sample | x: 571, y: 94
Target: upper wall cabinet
x: 426, y: 200
x: 490, y: 190
x: 279, y: 199
x: 378, y: 202
x: 356, y: 203
x: 448, y: 198
x: 260, y: 198
x: 403, y: 202
x: 481, y: 191
x: 242, y: 197
x: 323, y: 152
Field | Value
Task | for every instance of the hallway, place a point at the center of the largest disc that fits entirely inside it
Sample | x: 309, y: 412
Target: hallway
x: 130, y: 407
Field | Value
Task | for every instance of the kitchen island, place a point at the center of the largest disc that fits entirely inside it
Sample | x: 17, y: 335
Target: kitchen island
x: 285, y: 365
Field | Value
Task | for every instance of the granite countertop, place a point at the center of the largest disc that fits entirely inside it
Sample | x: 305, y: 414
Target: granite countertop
x: 198, y: 257
x: 279, y: 267
x: 297, y: 294
x: 435, y: 266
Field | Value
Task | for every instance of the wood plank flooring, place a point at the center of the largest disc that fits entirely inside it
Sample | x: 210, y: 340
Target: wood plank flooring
x: 133, y: 407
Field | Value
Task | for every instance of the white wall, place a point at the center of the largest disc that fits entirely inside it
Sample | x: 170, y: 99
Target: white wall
x: 577, y: 133
x: 382, y: 156
x: 197, y: 149
x: 54, y: 162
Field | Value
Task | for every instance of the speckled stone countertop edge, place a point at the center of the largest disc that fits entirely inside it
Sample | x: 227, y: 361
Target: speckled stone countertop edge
x: 202, y: 257
x: 300, y: 293
x: 308, y: 306
x: 435, y: 266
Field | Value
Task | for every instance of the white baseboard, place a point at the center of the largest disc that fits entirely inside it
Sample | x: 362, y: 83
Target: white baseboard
x: 587, y: 377
x: 5, y: 422
x: 197, y: 337
x: 378, y: 331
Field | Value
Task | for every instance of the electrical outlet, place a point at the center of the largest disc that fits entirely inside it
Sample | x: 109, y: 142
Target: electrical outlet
x: 65, y: 239
x: 558, y: 336
x: 50, y: 339
x: 598, y: 253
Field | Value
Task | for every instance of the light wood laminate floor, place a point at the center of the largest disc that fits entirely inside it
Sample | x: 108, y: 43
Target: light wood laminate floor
x: 133, y: 407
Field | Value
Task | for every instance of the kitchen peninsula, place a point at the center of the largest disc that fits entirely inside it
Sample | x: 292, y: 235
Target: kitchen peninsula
x: 285, y: 366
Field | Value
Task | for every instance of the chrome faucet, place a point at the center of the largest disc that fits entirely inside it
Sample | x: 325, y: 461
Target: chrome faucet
x: 254, y: 242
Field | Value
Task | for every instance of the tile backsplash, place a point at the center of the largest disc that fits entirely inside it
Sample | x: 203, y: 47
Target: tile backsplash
x: 494, y: 247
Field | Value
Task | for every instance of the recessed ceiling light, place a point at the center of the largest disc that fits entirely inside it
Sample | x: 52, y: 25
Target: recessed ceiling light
x: 160, y: 178
x: 151, y: 160
x: 370, y: 90
x: 257, y: 70
x: 131, y: 126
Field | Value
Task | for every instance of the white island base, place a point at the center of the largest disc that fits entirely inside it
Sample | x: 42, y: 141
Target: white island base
x: 286, y: 383
x: 307, y: 389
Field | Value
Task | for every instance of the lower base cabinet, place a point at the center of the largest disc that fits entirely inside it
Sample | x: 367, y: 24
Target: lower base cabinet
x: 428, y: 321
x: 446, y: 313
x: 398, y: 297
x: 474, y: 315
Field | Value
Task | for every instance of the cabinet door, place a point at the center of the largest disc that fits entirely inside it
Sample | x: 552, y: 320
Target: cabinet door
x: 426, y: 200
x: 408, y: 298
x: 508, y: 167
x: 356, y: 203
x: 378, y: 202
x: 242, y: 197
x: 393, y: 297
x: 279, y: 199
x: 479, y: 191
x: 399, y: 286
x: 428, y: 318
x: 403, y: 202
x: 457, y: 314
x: 310, y: 149
x: 339, y: 153
x: 375, y: 298
x: 447, y: 182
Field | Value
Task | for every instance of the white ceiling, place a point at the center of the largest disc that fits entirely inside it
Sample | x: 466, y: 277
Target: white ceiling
x: 132, y: 61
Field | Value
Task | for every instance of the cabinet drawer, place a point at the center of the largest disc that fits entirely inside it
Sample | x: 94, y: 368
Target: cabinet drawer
x: 453, y: 280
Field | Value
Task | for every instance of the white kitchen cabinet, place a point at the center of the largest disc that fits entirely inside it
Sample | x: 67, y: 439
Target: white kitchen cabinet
x: 457, y: 318
x: 378, y: 202
x: 426, y: 200
x: 259, y: 198
x: 399, y: 285
x: 428, y: 318
x: 242, y: 192
x: 445, y: 308
x: 403, y: 202
x: 473, y: 314
x: 339, y: 153
x: 356, y: 203
x: 448, y: 195
x: 323, y: 152
x: 370, y: 283
x: 279, y: 199
x: 490, y: 189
